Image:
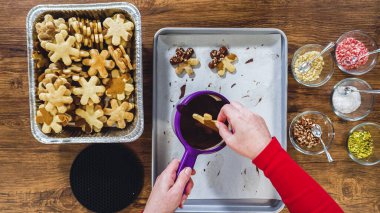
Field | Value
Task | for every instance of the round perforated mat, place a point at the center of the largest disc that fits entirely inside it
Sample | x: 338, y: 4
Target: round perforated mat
x: 106, y: 177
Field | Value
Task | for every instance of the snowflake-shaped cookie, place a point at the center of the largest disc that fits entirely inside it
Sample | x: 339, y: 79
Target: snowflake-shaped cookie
x: 119, y: 113
x: 49, y: 27
x: 121, y: 58
x: 89, y: 90
x: 222, y: 60
x: 206, y: 120
x: 93, y: 116
x: 118, y: 28
x: 184, y: 61
x: 226, y: 64
x: 99, y: 63
x: 39, y: 60
x: 62, y: 49
x: 56, y: 98
x: 119, y: 86
x: 51, y: 121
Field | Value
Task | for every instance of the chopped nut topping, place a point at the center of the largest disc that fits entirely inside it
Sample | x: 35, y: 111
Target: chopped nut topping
x: 181, y: 55
x: 217, y: 56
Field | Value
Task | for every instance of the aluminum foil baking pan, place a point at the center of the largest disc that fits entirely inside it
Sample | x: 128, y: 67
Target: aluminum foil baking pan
x: 93, y: 11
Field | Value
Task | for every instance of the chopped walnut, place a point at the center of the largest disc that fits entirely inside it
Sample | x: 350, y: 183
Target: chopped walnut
x: 303, y: 134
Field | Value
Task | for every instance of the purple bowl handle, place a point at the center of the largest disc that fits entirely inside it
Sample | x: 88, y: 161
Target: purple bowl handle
x: 188, y: 160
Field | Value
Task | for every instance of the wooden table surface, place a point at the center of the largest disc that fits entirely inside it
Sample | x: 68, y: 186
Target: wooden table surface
x: 34, y: 176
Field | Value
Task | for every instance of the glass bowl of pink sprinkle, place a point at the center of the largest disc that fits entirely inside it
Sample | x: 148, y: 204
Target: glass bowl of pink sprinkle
x: 350, y: 52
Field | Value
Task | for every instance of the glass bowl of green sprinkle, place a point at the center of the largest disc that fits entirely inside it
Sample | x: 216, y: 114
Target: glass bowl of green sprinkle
x: 363, y: 143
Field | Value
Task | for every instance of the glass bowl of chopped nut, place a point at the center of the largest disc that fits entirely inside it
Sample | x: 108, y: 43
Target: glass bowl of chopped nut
x: 320, y: 70
x: 301, y: 136
x: 363, y: 143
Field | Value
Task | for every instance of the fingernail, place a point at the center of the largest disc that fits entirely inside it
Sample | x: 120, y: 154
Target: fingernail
x: 188, y: 171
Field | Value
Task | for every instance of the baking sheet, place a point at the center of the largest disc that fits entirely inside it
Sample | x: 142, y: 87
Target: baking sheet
x: 260, y: 85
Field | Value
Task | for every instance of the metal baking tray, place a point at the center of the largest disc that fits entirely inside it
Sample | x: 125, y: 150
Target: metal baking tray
x: 101, y: 10
x: 225, y: 182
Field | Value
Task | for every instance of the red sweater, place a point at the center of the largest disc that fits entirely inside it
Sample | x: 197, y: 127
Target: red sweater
x: 298, y: 190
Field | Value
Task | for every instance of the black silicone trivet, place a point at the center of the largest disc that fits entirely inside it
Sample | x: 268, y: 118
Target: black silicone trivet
x: 106, y: 177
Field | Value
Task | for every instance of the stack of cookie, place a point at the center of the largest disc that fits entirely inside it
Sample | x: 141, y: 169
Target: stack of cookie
x: 85, y: 73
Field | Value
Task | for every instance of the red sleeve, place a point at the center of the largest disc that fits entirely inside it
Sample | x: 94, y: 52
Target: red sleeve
x: 299, y: 191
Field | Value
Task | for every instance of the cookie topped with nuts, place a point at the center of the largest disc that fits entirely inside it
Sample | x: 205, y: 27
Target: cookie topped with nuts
x: 184, y: 61
x: 222, y: 60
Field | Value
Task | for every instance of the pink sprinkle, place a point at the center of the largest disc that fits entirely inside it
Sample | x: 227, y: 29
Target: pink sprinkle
x: 347, y: 49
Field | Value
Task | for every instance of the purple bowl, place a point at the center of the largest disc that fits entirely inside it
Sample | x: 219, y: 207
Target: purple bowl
x: 191, y: 154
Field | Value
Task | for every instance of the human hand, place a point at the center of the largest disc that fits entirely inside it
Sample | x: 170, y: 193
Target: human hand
x: 168, y: 193
x: 250, y: 134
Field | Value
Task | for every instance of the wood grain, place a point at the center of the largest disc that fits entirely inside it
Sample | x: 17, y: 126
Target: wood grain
x: 34, y: 177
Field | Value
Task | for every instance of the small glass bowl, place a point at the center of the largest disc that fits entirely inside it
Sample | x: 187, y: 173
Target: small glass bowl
x: 369, y: 43
x: 367, y: 100
x: 328, y: 67
x: 327, y: 127
x: 374, y: 129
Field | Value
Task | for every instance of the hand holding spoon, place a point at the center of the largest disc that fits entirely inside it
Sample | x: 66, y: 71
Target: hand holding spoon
x: 317, y: 132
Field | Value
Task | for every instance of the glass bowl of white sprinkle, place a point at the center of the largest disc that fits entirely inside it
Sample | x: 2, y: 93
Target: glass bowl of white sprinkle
x: 353, y: 105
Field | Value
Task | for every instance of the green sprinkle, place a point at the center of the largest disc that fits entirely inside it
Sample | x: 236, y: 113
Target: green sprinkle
x: 360, y: 144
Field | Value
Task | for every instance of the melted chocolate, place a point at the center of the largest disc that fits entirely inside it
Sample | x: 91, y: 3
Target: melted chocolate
x: 195, y: 134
